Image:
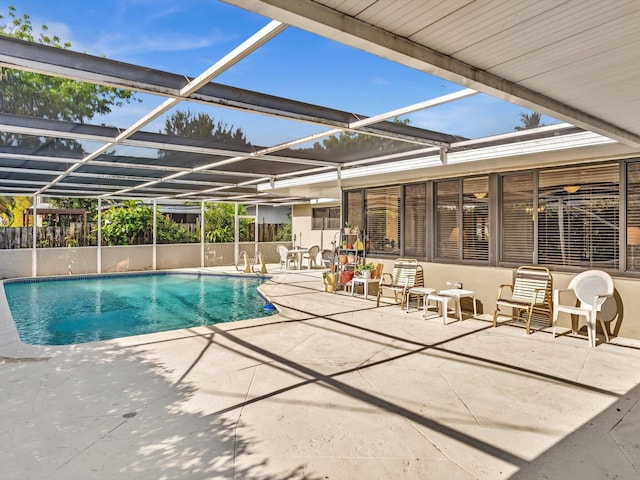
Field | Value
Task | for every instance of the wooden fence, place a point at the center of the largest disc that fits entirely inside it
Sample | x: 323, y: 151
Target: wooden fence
x: 75, y: 235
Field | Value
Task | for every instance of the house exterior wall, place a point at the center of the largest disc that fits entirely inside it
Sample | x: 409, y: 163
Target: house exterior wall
x: 484, y: 281
x: 270, y: 214
x: 301, y: 226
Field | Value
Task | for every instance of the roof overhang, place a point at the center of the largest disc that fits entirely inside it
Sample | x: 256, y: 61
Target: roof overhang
x: 574, y: 61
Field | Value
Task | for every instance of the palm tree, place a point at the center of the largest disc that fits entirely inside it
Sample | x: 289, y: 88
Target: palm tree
x: 530, y: 121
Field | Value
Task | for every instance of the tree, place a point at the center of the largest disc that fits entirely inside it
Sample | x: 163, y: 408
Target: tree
x: 44, y: 96
x: 34, y: 94
x: 20, y: 203
x: 7, y: 204
x: 219, y: 221
x: 530, y: 121
x: 124, y: 225
x: 202, y: 126
x: 354, y: 145
x: 219, y: 217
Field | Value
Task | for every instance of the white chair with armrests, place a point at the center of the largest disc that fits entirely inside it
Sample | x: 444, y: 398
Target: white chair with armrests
x: 591, y: 288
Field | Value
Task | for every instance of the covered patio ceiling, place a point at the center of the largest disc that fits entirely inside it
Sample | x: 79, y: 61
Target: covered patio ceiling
x: 457, y: 41
x: 576, y: 61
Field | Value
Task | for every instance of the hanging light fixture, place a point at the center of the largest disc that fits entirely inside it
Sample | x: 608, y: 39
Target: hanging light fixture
x: 571, y: 188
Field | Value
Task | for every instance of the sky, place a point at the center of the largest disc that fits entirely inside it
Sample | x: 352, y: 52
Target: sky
x: 188, y: 36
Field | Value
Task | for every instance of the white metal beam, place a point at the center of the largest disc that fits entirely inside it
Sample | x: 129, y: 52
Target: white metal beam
x: 240, y: 52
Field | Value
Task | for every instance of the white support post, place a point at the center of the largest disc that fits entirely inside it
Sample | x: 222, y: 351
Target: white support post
x: 292, y: 234
x: 255, y: 237
x: 202, y: 236
x: 34, y: 254
x: 155, y: 226
x: 236, y: 236
x: 99, y: 253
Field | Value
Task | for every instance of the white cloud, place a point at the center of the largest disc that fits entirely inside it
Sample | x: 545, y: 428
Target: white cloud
x: 380, y: 81
x: 119, y: 45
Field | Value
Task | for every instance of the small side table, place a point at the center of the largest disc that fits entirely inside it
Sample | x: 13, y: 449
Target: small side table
x: 362, y: 281
x: 443, y: 300
x: 457, y: 294
x: 420, y: 291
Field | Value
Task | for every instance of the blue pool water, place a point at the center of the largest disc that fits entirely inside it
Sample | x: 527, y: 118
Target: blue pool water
x: 68, y: 311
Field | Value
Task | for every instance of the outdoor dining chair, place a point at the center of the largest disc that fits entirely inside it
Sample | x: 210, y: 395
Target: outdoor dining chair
x: 286, y: 258
x: 311, y: 256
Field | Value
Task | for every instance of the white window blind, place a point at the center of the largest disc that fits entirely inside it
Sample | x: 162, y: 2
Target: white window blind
x: 354, y: 206
x: 517, y: 218
x: 475, y: 218
x: 382, y: 211
x: 415, y: 206
x: 633, y: 216
x: 578, y: 216
x: 448, y: 232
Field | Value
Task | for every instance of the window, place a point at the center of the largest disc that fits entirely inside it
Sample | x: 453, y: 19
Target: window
x: 447, y: 227
x: 466, y: 237
x: 517, y: 218
x: 633, y: 216
x: 382, y: 213
x: 578, y: 216
x: 568, y: 216
x: 354, y: 207
x: 415, y: 228
x: 325, y: 218
x: 475, y: 218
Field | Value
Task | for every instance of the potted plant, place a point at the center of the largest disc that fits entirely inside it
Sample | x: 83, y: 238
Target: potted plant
x: 347, y: 228
x: 365, y: 269
x: 329, y: 280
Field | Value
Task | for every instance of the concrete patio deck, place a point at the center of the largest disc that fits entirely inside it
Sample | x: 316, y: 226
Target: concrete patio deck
x: 331, y: 388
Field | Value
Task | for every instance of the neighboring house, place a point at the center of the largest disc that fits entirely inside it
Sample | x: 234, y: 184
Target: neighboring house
x: 270, y: 214
x: 266, y: 213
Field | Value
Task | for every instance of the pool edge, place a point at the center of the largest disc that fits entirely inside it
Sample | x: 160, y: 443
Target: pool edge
x: 13, y: 348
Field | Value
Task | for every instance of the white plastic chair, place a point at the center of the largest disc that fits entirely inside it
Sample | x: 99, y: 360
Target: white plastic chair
x: 285, y: 257
x: 311, y: 256
x: 591, y: 288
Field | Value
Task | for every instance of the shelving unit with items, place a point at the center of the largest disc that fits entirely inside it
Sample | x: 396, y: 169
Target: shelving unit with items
x: 350, y: 254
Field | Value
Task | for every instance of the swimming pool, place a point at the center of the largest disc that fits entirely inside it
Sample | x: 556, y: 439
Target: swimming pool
x: 65, y: 310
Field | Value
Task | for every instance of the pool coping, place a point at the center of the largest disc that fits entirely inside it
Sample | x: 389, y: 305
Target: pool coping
x: 12, y: 347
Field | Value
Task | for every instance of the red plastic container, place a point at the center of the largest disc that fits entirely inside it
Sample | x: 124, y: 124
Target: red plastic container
x: 346, y: 277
